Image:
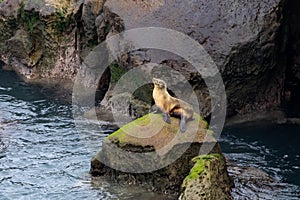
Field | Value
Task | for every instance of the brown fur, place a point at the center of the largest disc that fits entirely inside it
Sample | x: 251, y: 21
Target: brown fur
x: 168, y: 104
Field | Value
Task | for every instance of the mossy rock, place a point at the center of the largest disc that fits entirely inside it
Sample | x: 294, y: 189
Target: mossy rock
x: 45, y: 30
x: 208, y: 179
x: 116, y: 72
x: 151, y: 130
x: 152, y: 153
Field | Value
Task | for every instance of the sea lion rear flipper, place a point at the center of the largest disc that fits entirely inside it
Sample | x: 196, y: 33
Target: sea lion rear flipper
x: 166, y: 118
x: 183, y: 124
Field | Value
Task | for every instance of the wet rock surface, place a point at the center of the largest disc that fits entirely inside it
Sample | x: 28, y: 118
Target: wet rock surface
x: 251, y: 180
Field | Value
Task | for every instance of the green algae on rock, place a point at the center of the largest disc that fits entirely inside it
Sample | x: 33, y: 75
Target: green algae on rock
x: 208, y: 179
x: 44, y: 29
x: 154, y: 154
x: 151, y: 130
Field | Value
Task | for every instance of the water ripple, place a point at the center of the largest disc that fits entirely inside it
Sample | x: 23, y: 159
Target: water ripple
x: 262, y: 169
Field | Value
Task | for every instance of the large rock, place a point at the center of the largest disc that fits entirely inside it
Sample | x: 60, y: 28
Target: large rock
x: 55, y: 36
x: 246, y: 40
x: 38, y: 38
x: 208, y: 179
x: 155, y: 155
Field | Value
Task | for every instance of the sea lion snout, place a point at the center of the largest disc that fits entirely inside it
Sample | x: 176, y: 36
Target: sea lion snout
x: 160, y: 83
x: 154, y: 80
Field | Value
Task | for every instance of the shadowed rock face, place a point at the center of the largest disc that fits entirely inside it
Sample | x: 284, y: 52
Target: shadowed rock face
x: 292, y: 82
x: 244, y: 39
x: 153, y: 154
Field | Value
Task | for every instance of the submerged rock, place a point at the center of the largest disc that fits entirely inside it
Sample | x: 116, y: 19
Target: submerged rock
x: 254, y: 182
x: 155, y: 155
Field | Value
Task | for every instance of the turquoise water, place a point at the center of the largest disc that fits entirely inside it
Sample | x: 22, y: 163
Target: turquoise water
x: 42, y: 156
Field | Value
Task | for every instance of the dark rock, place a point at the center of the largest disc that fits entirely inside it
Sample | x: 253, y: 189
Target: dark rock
x: 108, y: 24
x: 87, y: 12
x: 292, y: 83
x: 21, y: 45
x: 271, y: 117
x: 103, y: 86
x: 254, y: 181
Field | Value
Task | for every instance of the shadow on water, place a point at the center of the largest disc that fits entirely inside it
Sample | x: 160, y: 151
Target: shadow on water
x: 264, y: 160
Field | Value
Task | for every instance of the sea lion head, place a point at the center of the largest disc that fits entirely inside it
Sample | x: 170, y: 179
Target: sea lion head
x: 159, y: 83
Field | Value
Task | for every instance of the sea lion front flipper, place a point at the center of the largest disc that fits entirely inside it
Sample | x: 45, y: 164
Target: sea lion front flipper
x: 183, y: 124
x: 166, y: 118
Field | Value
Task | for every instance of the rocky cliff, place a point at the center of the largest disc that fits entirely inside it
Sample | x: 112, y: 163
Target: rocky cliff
x: 245, y: 40
x: 38, y: 38
x: 250, y: 41
x: 291, y: 99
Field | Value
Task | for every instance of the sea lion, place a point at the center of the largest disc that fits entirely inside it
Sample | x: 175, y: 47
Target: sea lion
x: 171, y: 106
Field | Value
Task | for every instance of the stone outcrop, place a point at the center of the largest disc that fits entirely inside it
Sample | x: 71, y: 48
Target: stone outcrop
x: 246, y: 41
x: 38, y: 38
x: 155, y: 155
x: 208, y: 179
x: 249, y: 41
x: 251, y: 180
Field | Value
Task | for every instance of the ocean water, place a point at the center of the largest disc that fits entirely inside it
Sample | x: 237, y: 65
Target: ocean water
x: 274, y: 150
